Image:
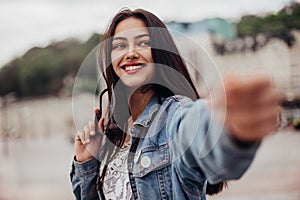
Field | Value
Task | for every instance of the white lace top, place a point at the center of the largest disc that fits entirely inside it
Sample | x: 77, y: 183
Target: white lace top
x: 116, y: 184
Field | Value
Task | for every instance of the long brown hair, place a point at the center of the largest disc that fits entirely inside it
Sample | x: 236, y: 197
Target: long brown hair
x: 164, y: 53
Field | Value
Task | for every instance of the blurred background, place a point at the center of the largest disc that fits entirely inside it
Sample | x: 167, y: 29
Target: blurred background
x: 44, y: 43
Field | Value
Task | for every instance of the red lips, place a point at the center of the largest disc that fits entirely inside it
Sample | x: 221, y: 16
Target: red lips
x: 131, y: 64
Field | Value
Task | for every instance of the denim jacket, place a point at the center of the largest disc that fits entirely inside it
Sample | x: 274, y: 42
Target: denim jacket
x: 181, y: 150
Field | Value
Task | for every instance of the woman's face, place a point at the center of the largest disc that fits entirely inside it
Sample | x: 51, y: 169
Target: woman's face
x: 131, y: 53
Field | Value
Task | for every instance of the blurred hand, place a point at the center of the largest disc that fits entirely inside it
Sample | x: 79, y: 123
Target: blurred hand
x: 87, y: 143
x: 252, y: 107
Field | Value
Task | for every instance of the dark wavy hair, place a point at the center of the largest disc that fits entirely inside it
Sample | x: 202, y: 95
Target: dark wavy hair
x: 164, y: 53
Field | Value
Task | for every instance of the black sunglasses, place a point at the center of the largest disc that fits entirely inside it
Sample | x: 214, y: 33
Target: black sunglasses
x: 98, y: 114
x: 112, y: 129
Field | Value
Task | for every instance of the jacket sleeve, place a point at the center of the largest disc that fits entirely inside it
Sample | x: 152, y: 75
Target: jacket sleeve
x: 83, y: 177
x: 203, y: 147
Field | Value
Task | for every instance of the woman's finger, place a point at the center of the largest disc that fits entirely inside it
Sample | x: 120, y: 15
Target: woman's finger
x: 86, y: 131
x: 101, y: 125
x: 78, y: 137
x: 100, y: 120
x: 240, y: 92
x: 97, y: 113
x: 92, y: 128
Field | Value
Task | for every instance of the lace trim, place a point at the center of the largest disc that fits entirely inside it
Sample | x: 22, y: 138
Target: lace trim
x: 116, y: 183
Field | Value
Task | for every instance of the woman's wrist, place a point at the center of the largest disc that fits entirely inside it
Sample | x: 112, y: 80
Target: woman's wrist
x: 242, y: 138
x: 82, y: 159
x: 242, y: 144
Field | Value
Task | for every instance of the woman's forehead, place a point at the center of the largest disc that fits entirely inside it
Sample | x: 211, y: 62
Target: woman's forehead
x: 130, y: 26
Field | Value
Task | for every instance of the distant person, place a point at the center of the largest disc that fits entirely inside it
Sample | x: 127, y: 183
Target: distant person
x: 157, y: 140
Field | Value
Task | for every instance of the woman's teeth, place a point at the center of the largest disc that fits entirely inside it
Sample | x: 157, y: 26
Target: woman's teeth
x: 129, y: 68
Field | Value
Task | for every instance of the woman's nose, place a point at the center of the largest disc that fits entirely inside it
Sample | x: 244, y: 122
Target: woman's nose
x: 132, y: 53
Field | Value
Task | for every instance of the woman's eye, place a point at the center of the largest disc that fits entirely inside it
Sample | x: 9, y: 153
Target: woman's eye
x: 118, y: 46
x: 144, y: 43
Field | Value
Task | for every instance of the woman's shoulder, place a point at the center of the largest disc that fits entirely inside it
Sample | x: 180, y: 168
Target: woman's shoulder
x: 183, y: 100
x: 179, y: 99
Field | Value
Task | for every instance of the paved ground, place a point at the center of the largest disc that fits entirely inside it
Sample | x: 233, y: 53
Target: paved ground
x: 274, y: 174
x: 37, y: 168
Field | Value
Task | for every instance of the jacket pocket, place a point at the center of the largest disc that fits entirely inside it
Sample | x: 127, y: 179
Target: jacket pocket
x: 150, y: 159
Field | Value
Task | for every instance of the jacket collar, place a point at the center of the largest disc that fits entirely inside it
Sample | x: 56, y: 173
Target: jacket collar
x: 148, y: 114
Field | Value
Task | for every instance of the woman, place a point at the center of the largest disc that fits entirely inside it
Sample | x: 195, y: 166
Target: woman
x: 159, y: 140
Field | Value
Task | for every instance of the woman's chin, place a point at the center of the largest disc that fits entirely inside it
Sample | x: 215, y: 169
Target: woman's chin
x: 133, y: 84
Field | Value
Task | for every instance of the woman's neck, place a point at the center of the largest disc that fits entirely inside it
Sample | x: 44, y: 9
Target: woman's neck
x: 139, y: 100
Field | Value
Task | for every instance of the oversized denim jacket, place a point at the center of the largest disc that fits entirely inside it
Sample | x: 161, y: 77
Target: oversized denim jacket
x: 182, y: 150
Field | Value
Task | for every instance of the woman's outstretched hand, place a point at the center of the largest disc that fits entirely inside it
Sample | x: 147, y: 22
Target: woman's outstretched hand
x: 87, y: 143
x: 252, y: 107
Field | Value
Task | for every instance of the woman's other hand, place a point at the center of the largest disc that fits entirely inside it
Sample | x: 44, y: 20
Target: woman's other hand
x: 252, y: 107
x: 87, y: 143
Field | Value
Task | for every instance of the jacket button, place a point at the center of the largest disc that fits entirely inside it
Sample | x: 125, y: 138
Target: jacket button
x: 145, y: 161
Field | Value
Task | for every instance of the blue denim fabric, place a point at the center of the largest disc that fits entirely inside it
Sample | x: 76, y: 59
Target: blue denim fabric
x: 181, y: 150
x: 83, y: 177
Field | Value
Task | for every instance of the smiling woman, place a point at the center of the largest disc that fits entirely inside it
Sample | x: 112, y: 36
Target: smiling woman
x: 159, y: 139
x: 131, y: 52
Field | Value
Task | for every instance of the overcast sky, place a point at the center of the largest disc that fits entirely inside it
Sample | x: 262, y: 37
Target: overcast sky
x: 28, y: 23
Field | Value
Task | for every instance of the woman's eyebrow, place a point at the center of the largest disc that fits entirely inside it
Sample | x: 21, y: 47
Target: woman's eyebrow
x: 142, y: 35
x: 119, y: 38
x: 136, y: 37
